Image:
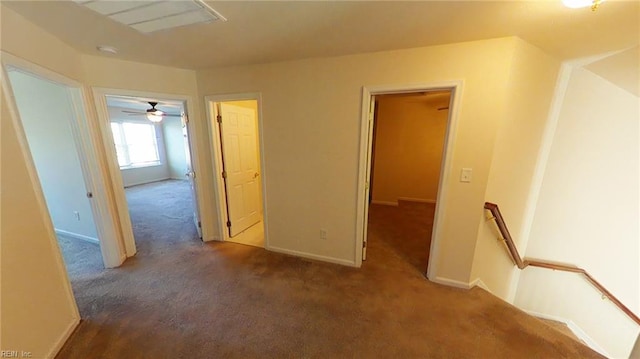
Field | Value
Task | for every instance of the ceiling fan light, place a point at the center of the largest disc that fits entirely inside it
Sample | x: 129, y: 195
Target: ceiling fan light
x: 154, y: 116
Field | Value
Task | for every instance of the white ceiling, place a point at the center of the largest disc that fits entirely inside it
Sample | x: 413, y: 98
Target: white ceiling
x: 260, y: 32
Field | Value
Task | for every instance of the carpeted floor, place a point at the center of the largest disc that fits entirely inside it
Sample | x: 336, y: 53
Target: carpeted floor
x: 181, y: 298
x: 405, y: 228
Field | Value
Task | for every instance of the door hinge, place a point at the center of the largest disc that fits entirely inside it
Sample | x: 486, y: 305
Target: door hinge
x: 366, y: 185
x: 229, y: 224
x: 199, y: 224
x: 186, y: 118
x: 364, y: 244
x: 193, y: 174
x: 224, y: 174
x: 219, y: 118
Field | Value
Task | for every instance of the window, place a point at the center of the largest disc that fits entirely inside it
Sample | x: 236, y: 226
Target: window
x: 136, y: 144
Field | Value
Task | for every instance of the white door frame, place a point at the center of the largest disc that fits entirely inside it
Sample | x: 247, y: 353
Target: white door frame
x: 100, y: 97
x: 84, y: 133
x: 214, y: 135
x: 445, y: 170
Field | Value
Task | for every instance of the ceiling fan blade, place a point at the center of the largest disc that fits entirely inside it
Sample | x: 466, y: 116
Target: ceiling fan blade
x: 134, y: 112
x: 171, y: 115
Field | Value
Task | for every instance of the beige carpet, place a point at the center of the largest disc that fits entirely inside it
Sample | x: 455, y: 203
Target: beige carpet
x: 185, y: 299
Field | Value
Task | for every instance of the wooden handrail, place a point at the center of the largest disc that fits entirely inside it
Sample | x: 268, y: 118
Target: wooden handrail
x: 524, y: 263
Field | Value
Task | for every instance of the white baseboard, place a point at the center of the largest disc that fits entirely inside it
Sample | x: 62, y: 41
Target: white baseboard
x: 418, y: 200
x: 146, y: 182
x: 479, y: 283
x: 82, y: 237
x: 581, y: 334
x: 452, y: 282
x: 63, y: 338
x: 312, y: 256
x: 385, y: 203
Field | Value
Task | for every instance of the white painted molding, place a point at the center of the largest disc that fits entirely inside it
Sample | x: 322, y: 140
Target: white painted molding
x: 146, y: 182
x: 452, y: 283
x: 63, y: 338
x: 581, y: 334
x: 479, y: 283
x: 364, y: 164
x: 385, y: 203
x: 312, y: 256
x: 418, y: 200
x: 82, y: 237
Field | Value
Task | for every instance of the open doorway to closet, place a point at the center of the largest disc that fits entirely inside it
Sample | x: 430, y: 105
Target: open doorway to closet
x: 408, y: 143
x: 236, y: 149
x: 153, y: 153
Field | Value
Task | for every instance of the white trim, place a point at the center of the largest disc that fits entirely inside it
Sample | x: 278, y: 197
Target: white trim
x: 579, y: 332
x: 417, y: 200
x: 364, y: 163
x: 334, y: 260
x: 385, y: 203
x: 452, y: 282
x: 66, y: 334
x: 479, y: 283
x: 218, y: 183
x: 151, y: 181
x: 82, y: 237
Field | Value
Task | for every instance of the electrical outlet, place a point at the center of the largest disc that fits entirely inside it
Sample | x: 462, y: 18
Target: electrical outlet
x: 323, y: 234
x: 77, y: 215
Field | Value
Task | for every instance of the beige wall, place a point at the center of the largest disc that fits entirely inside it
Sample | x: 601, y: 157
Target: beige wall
x: 410, y: 133
x: 34, y: 284
x: 587, y: 214
x: 37, y: 304
x: 531, y: 86
x: 311, y: 120
x: 31, y: 43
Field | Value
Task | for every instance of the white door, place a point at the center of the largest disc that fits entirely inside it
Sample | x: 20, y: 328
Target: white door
x: 240, y: 164
x: 367, y: 187
x: 191, y: 174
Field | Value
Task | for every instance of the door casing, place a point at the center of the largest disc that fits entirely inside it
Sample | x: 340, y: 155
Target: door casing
x: 85, y: 134
x: 364, y: 170
x: 100, y: 97
x: 215, y: 145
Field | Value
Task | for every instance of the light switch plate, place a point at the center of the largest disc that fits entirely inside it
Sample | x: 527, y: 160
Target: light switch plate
x: 465, y: 175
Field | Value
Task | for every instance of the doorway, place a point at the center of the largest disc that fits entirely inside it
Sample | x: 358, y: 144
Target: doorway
x: 153, y: 152
x: 407, y: 148
x: 50, y: 122
x: 236, y: 148
x: 407, y: 134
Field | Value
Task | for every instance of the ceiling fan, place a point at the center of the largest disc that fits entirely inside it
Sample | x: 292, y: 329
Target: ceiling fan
x: 153, y: 114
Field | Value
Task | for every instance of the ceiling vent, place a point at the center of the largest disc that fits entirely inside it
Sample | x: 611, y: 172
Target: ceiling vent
x: 151, y: 16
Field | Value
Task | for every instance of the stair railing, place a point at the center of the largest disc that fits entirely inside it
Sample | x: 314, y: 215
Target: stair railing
x: 524, y: 263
